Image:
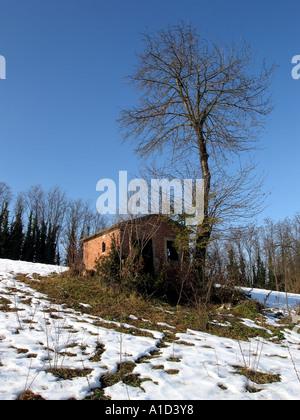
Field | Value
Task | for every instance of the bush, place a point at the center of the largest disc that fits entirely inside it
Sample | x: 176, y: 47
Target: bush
x: 109, y: 267
x: 128, y: 273
x: 227, y: 294
x: 180, y: 282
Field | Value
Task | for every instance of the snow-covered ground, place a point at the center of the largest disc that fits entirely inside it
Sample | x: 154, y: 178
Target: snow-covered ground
x: 36, y: 336
x: 275, y: 300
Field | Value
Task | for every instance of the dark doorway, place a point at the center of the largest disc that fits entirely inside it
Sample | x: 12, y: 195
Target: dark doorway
x: 148, y: 257
x: 172, y: 254
x: 144, y: 248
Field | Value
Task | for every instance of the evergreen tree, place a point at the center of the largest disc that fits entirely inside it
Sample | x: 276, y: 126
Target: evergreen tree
x: 4, y: 232
x: 233, y: 269
x: 51, y: 245
x: 243, y: 276
x: 16, y: 236
x: 28, y: 246
x: 259, y: 272
x: 271, y: 273
x: 40, y: 244
x: 36, y: 239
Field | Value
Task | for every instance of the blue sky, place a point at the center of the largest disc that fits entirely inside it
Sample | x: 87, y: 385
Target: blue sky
x: 66, y: 64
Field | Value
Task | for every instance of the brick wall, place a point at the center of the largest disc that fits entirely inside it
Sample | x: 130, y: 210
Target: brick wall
x: 93, y: 248
x: 142, y: 229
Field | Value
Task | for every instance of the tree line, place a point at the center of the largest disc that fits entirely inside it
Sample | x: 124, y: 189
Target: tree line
x: 262, y: 256
x: 44, y: 226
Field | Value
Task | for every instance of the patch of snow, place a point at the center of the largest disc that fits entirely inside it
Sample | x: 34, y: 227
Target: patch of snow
x: 275, y: 300
x: 36, y: 335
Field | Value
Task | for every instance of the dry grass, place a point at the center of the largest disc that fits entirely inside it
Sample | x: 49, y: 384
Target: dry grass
x: 124, y: 369
x: 259, y: 377
x: 29, y: 396
x: 115, y: 304
x: 64, y: 373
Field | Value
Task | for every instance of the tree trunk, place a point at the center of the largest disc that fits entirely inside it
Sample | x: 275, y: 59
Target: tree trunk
x: 204, y: 230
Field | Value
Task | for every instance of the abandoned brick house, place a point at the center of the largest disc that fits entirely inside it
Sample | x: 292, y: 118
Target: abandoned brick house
x: 154, y: 234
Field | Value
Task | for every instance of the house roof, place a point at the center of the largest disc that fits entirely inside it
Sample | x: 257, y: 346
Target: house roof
x: 119, y: 225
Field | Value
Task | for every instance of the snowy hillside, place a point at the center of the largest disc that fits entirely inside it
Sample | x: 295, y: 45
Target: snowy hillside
x: 57, y: 353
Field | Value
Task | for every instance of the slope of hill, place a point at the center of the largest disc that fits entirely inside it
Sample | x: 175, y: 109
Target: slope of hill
x: 51, y: 351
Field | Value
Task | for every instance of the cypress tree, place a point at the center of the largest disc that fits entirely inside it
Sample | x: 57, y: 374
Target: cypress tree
x: 259, y: 272
x: 51, y: 245
x: 233, y: 269
x: 271, y: 275
x: 28, y: 246
x: 40, y: 244
x: 36, y: 239
x: 242, y: 267
x: 4, y: 232
x: 17, y: 236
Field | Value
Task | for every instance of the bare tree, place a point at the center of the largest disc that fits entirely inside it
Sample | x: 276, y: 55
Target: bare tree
x: 46, y: 209
x: 5, y: 194
x: 80, y: 221
x: 201, y: 104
